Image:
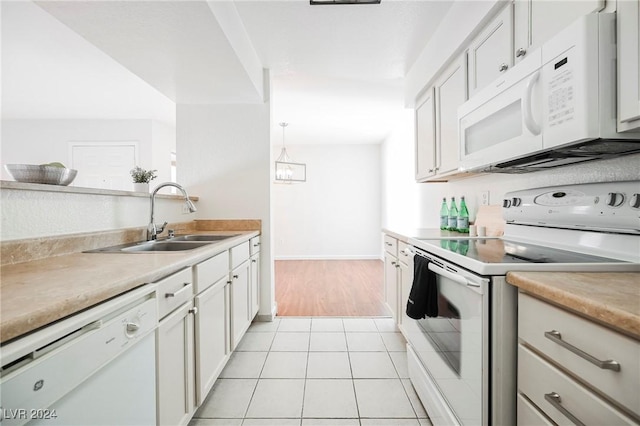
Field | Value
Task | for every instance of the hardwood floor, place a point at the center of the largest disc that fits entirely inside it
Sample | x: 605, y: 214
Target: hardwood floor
x: 330, y: 288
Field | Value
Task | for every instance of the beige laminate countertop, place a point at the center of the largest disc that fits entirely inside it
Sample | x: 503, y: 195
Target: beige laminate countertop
x: 610, y: 298
x: 34, y: 294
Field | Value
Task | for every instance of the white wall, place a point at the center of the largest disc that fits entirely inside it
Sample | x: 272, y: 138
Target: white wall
x: 45, y: 141
x: 224, y: 152
x: 335, y: 214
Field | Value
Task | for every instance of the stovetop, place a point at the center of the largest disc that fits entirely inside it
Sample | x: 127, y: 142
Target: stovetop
x: 497, y: 256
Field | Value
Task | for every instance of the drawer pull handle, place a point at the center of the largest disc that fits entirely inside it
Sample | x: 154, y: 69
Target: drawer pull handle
x: 555, y: 400
x: 389, y: 244
x: 556, y: 337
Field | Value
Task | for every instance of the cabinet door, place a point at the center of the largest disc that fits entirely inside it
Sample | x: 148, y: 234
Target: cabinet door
x: 255, y: 286
x: 451, y: 92
x: 425, y: 137
x: 628, y: 27
x: 490, y: 54
x: 406, y: 281
x: 239, y: 303
x: 537, y: 21
x: 175, y: 376
x: 391, y: 284
x: 212, y: 336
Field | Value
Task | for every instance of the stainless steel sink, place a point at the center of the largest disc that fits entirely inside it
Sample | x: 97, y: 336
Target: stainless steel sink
x: 152, y: 246
x: 165, y: 246
x: 202, y: 237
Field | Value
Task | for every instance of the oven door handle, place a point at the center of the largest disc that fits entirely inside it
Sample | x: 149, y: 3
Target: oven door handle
x: 453, y: 276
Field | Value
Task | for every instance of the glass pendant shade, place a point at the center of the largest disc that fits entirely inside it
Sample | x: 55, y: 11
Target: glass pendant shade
x: 288, y: 171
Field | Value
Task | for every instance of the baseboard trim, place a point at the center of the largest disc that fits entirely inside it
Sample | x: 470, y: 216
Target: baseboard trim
x: 329, y: 257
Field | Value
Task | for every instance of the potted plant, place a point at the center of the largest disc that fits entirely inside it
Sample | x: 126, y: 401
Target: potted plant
x: 141, y: 178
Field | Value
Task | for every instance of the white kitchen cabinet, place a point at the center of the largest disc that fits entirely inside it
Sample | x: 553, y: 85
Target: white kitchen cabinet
x: 254, y: 297
x: 391, y: 275
x: 212, y: 336
x: 628, y: 36
x: 391, y: 284
x: 451, y: 92
x: 537, y: 21
x: 175, y: 367
x: 437, y: 124
x: 569, y: 366
x: 490, y: 53
x: 405, y: 280
x: 240, y: 292
x: 425, y: 130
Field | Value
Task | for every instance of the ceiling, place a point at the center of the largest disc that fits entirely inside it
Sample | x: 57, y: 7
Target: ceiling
x: 337, y: 71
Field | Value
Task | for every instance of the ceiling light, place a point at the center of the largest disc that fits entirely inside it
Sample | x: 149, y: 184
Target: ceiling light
x: 319, y: 2
x: 286, y: 170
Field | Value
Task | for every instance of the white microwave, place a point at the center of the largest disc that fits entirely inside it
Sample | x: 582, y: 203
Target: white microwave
x: 556, y: 107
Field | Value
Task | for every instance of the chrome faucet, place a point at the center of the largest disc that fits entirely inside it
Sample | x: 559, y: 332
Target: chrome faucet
x: 152, y: 229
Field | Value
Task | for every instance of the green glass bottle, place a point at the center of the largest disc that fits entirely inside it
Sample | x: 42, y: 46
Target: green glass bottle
x: 453, y: 215
x: 463, y: 217
x: 444, y: 215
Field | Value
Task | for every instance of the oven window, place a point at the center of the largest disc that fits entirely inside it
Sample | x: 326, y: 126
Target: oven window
x: 444, y: 331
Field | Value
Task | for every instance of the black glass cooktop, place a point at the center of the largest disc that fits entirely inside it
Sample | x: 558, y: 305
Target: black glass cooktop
x: 496, y: 250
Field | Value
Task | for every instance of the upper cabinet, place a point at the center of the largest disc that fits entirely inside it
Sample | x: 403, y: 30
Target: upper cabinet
x: 426, y: 137
x: 437, y: 123
x: 628, y: 65
x: 490, y: 53
x: 536, y: 21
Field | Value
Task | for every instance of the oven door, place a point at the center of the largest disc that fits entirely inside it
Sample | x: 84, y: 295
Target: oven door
x: 452, y: 348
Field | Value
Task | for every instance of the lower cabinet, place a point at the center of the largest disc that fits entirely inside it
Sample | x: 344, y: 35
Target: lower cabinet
x: 255, y: 286
x: 572, y: 370
x: 405, y: 280
x: 197, y: 334
x: 240, y: 318
x: 212, y: 336
x: 391, y: 284
x: 175, y: 364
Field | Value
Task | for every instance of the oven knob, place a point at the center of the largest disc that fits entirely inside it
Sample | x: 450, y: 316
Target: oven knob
x: 615, y: 199
x: 635, y: 201
x: 506, y: 204
x: 516, y: 202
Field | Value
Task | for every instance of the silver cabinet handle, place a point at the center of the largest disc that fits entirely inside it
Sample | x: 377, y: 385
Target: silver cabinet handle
x: 389, y: 244
x: 173, y: 294
x: 556, y: 337
x: 503, y: 67
x: 521, y: 52
x: 235, y: 277
x: 555, y: 400
x: 193, y: 310
x: 256, y: 244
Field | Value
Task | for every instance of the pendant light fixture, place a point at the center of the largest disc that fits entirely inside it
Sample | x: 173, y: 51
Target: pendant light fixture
x: 286, y: 170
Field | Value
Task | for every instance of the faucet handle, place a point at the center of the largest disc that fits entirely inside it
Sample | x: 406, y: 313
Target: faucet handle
x: 161, y: 228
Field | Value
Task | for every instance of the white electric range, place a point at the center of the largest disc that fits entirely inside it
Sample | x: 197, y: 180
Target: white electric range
x: 463, y: 361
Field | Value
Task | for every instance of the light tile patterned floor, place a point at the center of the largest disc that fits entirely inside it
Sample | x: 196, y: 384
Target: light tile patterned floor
x: 314, y: 372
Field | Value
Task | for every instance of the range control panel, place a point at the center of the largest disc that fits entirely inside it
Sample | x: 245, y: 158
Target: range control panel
x: 606, y: 206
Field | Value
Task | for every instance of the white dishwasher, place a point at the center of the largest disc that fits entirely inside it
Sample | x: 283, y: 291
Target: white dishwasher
x: 94, y: 368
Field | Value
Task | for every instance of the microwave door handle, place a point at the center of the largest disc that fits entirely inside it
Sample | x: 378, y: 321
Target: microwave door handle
x: 527, y: 112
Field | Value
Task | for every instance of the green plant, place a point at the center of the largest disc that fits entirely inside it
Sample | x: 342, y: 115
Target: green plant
x: 141, y: 175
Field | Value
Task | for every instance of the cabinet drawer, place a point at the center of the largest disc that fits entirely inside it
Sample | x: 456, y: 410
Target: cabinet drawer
x: 391, y: 245
x: 529, y: 415
x: 538, y: 380
x: 239, y: 254
x: 173, y: 291
x: 536, y: 317
x: 405, y: 255
x: 211, y: 270
x: 254, y: 244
